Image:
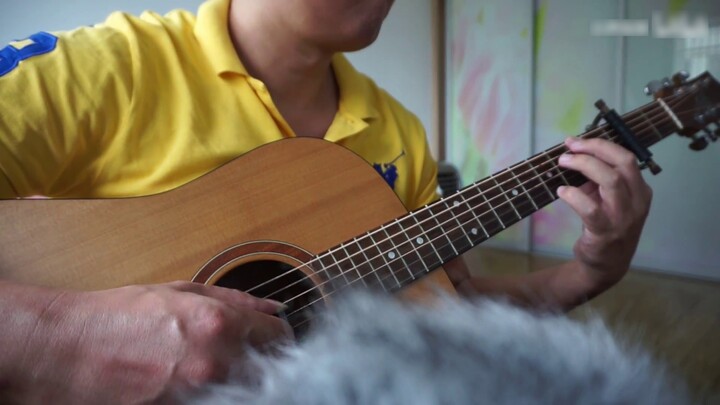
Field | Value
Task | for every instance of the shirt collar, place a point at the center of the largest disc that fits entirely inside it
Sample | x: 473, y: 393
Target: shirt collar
x: 356, y: 90
x: 211, y: 30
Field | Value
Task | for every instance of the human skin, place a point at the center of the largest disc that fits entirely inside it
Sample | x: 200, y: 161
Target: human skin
x: 141, y: 343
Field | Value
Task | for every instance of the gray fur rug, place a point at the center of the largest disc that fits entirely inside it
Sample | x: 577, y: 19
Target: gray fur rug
x: 372, y: 349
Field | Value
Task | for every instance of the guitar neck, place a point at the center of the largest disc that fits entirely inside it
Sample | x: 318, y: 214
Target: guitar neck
x: 403, y: 250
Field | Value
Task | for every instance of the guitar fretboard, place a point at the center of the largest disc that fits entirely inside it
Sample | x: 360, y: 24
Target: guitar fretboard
x: 399, y: 252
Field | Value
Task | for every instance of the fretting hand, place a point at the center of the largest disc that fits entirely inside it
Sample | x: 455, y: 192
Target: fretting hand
x: 613, y: 206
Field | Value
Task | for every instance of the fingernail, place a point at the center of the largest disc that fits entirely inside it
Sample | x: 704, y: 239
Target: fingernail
x: 571, y: 139
x: 560, y: 189
x: 565, y: 157
x: 280, y: 307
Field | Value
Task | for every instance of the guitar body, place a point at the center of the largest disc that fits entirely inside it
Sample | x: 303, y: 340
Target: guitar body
x: 283, y: 202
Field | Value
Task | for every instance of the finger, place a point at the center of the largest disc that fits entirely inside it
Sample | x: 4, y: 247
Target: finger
x: 268, y: 329
x: 613, y: 186
x: 229, y: 330
x: 591, y: 189
x: 609, y: 152
x: 230, y: 296
x: 585, y: 206
x: 243, y: 327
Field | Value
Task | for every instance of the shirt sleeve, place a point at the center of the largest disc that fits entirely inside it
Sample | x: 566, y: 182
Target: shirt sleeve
x: 52, y: 88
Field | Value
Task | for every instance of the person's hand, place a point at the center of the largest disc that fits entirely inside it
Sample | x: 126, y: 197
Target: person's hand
x: 613, y: 206
x: 142, y: 343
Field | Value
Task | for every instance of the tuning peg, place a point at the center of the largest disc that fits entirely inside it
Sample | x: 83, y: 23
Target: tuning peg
x: 712, y: 135
x: 680, y: 77
x: 653, y: 87
x: 698, y: 143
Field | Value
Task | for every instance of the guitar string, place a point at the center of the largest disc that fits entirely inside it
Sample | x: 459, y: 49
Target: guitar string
x: 362, y: 277
x: 502, y: 208
x: 446, y: 234
x: 539, y: 177
x: 412, y: 275
x: 309, y: 318
x: 426, y: 208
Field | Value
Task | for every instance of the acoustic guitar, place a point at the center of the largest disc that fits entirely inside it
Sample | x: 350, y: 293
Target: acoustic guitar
x: 302, y: 220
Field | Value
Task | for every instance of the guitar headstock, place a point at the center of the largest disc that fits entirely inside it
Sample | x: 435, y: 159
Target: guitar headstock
x: 695, y: 103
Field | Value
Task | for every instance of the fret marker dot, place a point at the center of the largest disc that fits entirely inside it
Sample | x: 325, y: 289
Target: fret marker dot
x: 391, y: 255
x: 456, y: 203
x: 549, y: 174
x: 474, y: 231
x: 419, y: 241
x: 515, y: 192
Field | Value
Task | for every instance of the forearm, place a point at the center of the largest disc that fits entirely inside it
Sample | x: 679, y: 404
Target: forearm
x: 559, y: 288
x: 24, y: 311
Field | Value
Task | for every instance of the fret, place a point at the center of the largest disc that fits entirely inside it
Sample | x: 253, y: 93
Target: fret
x: 374, y: 259
x: 532, y: 184
x: 443, y: 217
x: 403, y: 248
x: 540, y: 180
x: 654, y: 128
x: 361, y: 263
x: 664, y: 129
x: 467, y: 223
x: 435, y: 233
x: 351, y: 266
x: 452, y: 226
x: 385, y: 252
x: 515, y: 193
x: 476, y: 220
x: 413, y: 243
x: 484, y: 212
x: 498, y: 202
x: 369, y: 261
x: 423, y: 242
x: 504, y: 194
x: 348, y: 271
x: 525, y: 176
x: 552, y: 173
x: 336, y: 278
x: 327, y: 283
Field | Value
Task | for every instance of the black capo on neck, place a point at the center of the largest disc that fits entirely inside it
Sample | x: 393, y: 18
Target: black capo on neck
x: 629, y: 139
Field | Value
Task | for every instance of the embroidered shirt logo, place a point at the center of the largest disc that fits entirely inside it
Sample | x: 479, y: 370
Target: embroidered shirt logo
x: 388, y: 171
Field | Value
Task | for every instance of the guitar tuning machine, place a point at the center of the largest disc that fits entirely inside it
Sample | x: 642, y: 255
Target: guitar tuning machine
x: 680, y: 77
x: 713, y: 135
x: 653, y: 87
x: 656, y: 86
x: 701, y: 142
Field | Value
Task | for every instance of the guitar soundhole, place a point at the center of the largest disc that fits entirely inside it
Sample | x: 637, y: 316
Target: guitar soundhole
x: 277, y: 281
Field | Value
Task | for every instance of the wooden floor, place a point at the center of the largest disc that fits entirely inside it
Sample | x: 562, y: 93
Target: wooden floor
x: 676, y: 319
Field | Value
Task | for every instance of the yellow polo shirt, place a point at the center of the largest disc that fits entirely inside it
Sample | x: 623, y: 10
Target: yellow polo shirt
x: 141, y: 105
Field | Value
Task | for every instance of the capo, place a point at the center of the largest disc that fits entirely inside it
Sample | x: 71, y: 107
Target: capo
x: 628, y: 137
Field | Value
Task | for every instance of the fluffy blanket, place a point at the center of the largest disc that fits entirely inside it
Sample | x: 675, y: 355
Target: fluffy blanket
x: 371, y: 349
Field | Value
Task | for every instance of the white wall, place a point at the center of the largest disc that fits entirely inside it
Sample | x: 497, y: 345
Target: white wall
x: 400, y: 60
